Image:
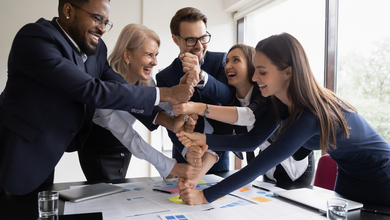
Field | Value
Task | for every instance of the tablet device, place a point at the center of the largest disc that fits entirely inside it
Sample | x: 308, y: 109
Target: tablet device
x: 314, y: 199
x: 89, y: 192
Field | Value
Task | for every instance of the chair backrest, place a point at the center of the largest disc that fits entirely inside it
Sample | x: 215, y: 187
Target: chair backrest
x: 326, y: 172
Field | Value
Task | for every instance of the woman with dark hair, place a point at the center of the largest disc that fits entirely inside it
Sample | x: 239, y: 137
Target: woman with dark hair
x: 247, y: 113
x: 313, y: 117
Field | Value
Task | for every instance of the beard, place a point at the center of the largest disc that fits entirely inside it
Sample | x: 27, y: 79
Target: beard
x: 81, y: 41
x: 87, y: 49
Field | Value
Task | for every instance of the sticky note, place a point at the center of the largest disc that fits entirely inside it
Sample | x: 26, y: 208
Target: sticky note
x: 176, y: 200
x: 243, y: 189
x: 174, y: 190
x: 261, y: 199
x: 221, y: 198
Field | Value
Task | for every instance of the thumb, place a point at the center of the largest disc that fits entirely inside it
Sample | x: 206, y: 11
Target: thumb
x: 205, y: 147
x: 181, y: 133
x: 181, y: 56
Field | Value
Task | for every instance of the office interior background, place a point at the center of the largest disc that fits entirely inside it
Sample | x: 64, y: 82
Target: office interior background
x: 346, y: 41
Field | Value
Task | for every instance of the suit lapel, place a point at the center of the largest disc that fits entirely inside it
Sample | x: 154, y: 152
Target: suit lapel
x: 79, y: 60
x: 90, y: 66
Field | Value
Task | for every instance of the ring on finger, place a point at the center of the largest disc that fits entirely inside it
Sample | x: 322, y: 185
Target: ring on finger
x: 185, y: 118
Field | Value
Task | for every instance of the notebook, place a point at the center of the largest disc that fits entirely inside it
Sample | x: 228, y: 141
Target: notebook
x: 89, y: 192
x: 313, y: 199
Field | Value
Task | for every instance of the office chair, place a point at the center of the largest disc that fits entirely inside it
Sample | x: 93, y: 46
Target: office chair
x: 326, y: 172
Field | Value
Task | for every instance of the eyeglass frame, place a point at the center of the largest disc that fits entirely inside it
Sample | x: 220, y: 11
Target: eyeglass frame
x: 196, y: 38
x: 98, y: 19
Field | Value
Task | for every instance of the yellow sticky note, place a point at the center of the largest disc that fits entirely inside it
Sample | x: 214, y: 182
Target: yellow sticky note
x: 202, y: 181
x: 261, y: 199
x: 243, y: 189
x: 176, y: 200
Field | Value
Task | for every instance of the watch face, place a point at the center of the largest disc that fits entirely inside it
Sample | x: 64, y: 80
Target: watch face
x: 207, y: 111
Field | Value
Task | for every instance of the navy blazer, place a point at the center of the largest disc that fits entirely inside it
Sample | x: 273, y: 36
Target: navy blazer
x: 49, y: 100
x: 216, y: 92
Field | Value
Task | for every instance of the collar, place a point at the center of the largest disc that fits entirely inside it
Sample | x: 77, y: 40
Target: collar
x: 245, y: 101
x: 83, y: 55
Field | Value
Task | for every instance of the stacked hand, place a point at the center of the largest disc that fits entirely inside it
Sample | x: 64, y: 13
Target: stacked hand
x: 188, y: 193
x: 191, y: 68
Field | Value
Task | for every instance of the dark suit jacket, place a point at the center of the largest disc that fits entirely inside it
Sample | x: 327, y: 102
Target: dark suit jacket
x: 48, y: 102
x: 216, y: 92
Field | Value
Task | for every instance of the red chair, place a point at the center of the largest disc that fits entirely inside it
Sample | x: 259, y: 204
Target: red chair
x: 326, y: 172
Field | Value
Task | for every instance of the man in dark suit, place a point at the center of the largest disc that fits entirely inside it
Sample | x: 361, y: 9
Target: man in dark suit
x: 57, y: 75
x: 203, y: 69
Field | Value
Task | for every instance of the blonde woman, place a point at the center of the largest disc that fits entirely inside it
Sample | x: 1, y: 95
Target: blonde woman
x: 107, y: 152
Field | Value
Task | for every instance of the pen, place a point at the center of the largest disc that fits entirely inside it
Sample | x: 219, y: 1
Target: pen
x: 261, y: 188
x: 163, y: 191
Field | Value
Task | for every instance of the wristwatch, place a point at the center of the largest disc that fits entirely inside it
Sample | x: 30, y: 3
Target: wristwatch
x: 206, y: 112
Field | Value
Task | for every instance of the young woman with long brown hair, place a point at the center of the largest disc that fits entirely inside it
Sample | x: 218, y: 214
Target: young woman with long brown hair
x: 310, y: 116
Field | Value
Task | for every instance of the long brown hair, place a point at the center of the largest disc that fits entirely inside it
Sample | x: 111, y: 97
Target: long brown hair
x: 304, y: 91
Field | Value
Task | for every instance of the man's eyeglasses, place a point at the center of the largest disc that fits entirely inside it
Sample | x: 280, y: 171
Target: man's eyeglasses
x: 192, y: 41
x: 99, y: 20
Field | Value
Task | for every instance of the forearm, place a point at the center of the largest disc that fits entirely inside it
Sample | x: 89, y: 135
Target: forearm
x: 226, y: 114
x: 208, y: 160
x: 164, y: 119
x: 165, y: 94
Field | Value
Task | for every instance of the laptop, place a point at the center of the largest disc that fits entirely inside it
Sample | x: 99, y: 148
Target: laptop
x: 89, y: 192
x: 385, y: 210
x: 314, y: 199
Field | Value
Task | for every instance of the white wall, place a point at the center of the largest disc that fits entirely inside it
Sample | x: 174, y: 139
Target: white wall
x: 155, y: 14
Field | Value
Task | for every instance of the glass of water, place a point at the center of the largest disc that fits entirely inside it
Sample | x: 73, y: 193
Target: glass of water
x: 337, y: 209
x: 47, y: 204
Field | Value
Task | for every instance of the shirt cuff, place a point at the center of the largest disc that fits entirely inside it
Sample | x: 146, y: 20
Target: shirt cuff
x: 213, y: 153
x: 157, y: 96
x: 203, y: 81
x: 245, y: 117
x: 184, y: 152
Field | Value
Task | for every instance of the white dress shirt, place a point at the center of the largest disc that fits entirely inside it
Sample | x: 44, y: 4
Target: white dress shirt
x: 120, y: 123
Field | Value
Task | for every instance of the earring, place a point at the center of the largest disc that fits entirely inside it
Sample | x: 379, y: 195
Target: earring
x: 67, y: 18
x: 127, y: 63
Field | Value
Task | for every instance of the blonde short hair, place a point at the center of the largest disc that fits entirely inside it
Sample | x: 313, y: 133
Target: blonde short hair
x: 131, y: 37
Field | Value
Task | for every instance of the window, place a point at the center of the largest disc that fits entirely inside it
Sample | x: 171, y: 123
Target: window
x: 304, y: 19
x: 363, y: 67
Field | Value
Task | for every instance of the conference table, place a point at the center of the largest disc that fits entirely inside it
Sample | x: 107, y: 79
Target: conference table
x: 26, y: 206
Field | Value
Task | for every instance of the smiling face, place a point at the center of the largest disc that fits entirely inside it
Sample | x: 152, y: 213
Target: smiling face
x: 83, y: 29
x: 270, y: 80
x: 236, y: 69
x: 192, y: 29
x: 142, y: 61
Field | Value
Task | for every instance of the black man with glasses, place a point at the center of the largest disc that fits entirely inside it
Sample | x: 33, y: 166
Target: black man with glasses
x: 205, y: 71
x: 57, y: 75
